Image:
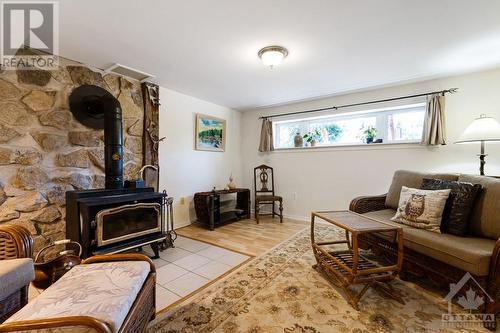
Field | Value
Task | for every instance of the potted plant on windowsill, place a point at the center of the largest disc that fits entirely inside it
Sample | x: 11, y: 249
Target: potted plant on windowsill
x: 369, y: 134
x: 312, y: 137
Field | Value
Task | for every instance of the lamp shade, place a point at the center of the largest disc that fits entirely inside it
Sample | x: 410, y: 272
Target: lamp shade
x: 481, y: 129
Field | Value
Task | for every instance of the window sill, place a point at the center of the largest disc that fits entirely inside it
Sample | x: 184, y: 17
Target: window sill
x: 358, y: 147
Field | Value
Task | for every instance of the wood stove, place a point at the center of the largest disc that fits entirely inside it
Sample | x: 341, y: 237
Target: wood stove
x: 111, y: 221
x: 117, y: 218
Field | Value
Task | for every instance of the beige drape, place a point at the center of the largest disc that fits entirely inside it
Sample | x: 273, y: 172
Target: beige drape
x: 266, y: 136
x: 434, y: 123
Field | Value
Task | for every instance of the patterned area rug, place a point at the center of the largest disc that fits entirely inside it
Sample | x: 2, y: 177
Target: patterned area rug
x: 280, y: 292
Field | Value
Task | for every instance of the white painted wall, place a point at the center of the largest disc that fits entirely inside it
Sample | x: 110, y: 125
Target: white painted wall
x: 183, y: 170
x: 329, y: 178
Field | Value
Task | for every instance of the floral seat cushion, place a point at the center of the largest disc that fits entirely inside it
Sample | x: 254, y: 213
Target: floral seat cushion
x: 105, y: 291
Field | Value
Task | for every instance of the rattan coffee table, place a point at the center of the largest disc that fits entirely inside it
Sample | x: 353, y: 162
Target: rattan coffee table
x: 346, y: 266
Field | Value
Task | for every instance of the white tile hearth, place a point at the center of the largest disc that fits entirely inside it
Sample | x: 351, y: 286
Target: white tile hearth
x: 188, y: 267
x: 192, y: 261
x: 213, y: 252
x: 160, y: 263
x: 212, y: 270
x: 168, y: 273
x: 164, y: 297
x: 186, y: 284
x: 173, y: 254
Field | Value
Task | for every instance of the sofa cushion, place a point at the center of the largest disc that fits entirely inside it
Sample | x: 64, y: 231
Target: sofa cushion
x: 485, y: 219
x: 15, y: 274
x: 458, y: 209
x: 471, y: 254
x: 421, y: 209
x: 410, y: 179
x: 105, y: 291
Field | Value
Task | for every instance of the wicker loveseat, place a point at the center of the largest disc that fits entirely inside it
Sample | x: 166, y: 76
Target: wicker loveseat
x: 16, y: 269
x: 104, y: 294
x: 444, y: 258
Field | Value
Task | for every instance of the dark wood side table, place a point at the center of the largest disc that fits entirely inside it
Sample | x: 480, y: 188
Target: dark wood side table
x: 346, y: 266
x: 210, y: 211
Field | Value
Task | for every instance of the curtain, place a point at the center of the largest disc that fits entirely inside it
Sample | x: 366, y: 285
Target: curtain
x: 266, y: 136
x: 434, y: 123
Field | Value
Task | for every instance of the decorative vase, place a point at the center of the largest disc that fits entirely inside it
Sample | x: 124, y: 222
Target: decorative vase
x: 369, y: 140
x: 231, y: 184
x: 298, y: 140
x: 313, y: 143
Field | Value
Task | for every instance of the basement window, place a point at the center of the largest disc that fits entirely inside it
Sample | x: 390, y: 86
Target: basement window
x: 393, y: 125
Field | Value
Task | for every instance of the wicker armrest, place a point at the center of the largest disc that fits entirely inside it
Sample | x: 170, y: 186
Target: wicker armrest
x: 27, y: 325
x: 367, y: 204
x: 15, y: 242
x: 495, y: 261
x: 494, y: 279
x: 120, y: 257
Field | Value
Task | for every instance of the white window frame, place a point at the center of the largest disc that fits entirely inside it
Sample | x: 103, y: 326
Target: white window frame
x: 381, y: 115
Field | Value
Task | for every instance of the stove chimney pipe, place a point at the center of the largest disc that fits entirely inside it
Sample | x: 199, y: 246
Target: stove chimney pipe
x: 96, y: 108
x: 113, y: 139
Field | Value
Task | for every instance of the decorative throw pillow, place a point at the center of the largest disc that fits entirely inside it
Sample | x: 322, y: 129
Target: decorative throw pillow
x: 458, y: 208
x: 421, y: 208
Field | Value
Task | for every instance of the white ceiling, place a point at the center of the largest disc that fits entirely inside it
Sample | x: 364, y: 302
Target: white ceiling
x: 208, y: 48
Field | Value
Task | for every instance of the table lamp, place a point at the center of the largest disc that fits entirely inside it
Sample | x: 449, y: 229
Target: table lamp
x: 482, y: 129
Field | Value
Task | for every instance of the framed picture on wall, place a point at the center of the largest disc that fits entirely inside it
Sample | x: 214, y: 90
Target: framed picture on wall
x: 210, y: 133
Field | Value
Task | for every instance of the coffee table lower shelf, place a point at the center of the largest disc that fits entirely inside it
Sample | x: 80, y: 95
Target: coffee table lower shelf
x: 342, y: 261
x: 346, y: 257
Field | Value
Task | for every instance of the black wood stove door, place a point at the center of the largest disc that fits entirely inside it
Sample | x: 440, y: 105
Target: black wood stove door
x: 127, y: 222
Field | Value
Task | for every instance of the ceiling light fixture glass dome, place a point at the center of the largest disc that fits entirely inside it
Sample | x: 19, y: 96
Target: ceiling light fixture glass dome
x: 272, y: 55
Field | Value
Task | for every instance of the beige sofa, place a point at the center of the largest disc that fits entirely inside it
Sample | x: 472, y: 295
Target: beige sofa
x: 444, y: 258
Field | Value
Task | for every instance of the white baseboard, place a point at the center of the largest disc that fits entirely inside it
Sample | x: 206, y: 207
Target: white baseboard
x: 297, y: 217
x: 178, y: 225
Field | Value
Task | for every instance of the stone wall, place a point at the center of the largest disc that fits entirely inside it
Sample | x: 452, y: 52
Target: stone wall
x: 44, y: 152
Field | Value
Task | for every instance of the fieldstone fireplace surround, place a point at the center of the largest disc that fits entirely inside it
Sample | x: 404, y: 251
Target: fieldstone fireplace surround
x: 45, y: 152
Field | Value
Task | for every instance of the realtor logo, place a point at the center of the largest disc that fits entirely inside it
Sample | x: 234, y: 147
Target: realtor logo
x: 29, y: 24
x: 471, y: 301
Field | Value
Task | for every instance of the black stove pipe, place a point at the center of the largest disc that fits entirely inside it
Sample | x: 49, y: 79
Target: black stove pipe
x: 96, y: 108
x: 113, y: 139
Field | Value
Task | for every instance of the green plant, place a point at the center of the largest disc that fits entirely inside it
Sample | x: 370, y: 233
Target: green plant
x: 370, y: 133
x: 334, y: 132
x: 312, y: 136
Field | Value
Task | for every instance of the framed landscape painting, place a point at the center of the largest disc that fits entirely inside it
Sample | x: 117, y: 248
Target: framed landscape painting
x: 210, y: 133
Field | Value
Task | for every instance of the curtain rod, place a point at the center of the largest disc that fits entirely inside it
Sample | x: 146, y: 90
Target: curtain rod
x: 451, y: 91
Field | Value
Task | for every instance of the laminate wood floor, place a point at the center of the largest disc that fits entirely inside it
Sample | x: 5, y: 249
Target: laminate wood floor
x: 246, y: 236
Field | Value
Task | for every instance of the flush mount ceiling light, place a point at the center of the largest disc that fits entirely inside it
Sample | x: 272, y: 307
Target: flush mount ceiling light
x: 272, y: 55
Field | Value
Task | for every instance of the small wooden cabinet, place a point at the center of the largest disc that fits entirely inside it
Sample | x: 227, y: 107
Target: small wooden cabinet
x: 211, y: 210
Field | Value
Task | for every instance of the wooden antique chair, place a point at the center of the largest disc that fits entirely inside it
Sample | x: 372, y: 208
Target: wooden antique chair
x: 264, y: 191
